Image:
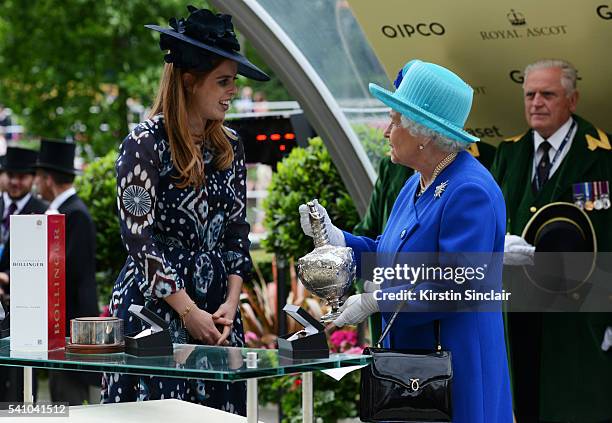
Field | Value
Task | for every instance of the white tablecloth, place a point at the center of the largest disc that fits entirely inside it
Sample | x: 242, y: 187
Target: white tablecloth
x: 161, y: 411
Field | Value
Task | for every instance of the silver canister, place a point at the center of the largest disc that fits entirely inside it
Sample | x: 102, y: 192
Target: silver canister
x: 327, y: 271
x: 96, y: 331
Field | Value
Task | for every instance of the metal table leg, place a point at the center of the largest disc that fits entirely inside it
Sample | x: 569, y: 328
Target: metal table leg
x: 252, y: 409
x: 307, y: 398
x: 27, y: 385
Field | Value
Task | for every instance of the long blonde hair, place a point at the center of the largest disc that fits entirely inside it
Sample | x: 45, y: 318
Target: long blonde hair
x: 172, y: 101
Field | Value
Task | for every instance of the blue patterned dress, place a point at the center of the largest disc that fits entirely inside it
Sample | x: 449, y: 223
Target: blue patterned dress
x: 177, y: 238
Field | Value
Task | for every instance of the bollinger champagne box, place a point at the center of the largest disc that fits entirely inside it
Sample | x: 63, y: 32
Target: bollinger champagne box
x: 37, y: 281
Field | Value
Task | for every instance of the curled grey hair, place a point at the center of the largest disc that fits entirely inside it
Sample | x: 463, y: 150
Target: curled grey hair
x: 442, y: 142
x: 568, y: 72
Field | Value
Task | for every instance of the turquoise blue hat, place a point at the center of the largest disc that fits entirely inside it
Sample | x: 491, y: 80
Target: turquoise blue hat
x: 432, y: 96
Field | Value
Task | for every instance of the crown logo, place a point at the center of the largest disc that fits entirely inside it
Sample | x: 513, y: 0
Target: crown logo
x: 516, y: 18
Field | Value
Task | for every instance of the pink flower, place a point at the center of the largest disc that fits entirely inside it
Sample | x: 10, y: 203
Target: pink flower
x: 342, y: 340
x: 351, y: 338
x: 250, y: 337
x: 354, y: 350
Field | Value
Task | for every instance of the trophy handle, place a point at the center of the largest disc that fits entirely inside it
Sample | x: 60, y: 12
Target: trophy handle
x: 335, y: 305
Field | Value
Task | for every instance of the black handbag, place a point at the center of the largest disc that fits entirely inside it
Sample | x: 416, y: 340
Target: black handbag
x: 406, y: 385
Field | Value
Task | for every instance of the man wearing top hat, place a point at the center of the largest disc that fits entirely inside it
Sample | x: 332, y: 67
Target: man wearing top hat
x: 55, y: 174
x: 16, y: 199
x: 559, y: 371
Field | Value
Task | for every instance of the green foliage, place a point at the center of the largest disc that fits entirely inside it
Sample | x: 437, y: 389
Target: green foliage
x: 373, y: 141
x: 333, y: 399
x: 305, y: 174
x: 97, y: 188
x: 273, y: 89
x: 263, y: 260
x: 32, y: 144
x: 67, y: 68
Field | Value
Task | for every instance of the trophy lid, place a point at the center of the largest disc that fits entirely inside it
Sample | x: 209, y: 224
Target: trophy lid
x: 319, y: 231
x: 311, y: 325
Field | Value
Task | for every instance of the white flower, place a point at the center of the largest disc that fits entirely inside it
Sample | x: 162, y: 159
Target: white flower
x: 163, y: 289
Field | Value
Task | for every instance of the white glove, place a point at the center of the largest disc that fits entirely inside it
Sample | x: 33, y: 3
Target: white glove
x: 517, y: 252
x: 607, y: 341
x: 356, y: 309
x: 335, y: 235
x: 369, y: 286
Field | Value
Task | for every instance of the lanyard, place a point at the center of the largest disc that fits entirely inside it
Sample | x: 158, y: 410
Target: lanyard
x: 556, y: 156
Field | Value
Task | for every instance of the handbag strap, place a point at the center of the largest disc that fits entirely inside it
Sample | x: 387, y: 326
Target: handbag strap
x: 437, y: 330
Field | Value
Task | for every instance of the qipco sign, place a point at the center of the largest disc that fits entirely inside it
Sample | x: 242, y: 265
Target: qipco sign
x: 424, y: 29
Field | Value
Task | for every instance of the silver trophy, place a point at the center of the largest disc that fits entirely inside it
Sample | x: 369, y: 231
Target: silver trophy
x: 327, y: 271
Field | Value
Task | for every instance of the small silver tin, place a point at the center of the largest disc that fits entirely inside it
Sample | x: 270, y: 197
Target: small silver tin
x: 96, y: 331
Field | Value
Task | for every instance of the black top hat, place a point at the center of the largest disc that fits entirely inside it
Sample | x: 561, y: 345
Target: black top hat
x: 566, y: 247
x: 20, y: 160
x: 57, y: 155
x: 190, y: 41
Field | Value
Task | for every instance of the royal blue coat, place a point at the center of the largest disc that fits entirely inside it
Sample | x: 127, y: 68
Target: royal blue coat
x: 469, y: 215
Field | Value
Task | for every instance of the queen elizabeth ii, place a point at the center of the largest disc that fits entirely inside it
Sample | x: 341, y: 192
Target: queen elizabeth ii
x: 450, y: 205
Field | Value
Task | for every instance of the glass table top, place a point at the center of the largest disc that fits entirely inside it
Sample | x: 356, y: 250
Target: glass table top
x: 188, y: 361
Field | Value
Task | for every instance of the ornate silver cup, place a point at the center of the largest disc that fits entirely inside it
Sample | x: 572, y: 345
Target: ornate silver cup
x: 327, y: 271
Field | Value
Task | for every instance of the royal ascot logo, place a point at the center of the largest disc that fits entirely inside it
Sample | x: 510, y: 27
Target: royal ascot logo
x: 424, y: 29
x: 517, y: 19
x: 604, y: 11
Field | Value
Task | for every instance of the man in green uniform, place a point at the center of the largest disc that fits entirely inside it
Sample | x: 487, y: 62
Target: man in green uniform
x: 559, y: 371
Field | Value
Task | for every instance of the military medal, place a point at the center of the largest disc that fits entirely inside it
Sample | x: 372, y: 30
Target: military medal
x: 598, y: 204
x: 605, y: 195
x: 588, y: 204
x: 578, y: 196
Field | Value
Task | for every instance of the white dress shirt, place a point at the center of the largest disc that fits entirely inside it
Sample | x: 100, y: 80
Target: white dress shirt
x: 555, y: 141
x: 20, y: 203
x: 59, y: 200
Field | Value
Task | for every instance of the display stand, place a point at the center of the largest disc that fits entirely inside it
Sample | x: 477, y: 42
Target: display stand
x: 225, y: 364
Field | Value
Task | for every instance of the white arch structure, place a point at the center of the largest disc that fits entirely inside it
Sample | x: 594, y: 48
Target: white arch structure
x: 305, y: 84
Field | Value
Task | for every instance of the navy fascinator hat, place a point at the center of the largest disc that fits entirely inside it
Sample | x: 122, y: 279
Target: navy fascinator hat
x: 194, y: 41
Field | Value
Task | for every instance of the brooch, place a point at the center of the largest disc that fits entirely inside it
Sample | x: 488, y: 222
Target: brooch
x: 440, y: 189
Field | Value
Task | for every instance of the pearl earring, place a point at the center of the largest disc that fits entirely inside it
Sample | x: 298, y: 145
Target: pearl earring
x: 421, y: 146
